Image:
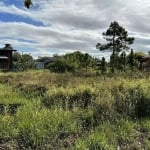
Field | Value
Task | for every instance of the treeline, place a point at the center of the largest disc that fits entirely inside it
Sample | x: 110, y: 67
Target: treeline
x: 81, y: 62
x: 122, y: 62
x: 71, y: 62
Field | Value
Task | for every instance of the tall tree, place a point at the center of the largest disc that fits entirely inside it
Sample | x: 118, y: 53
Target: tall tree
x: 117, y: 40
x: 103, y: 66
x: 122, y: 61
x: 131, y: 59
x: 87, y: 60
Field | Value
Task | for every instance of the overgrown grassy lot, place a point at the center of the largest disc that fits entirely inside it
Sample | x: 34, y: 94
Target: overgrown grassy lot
x: 40, y: 110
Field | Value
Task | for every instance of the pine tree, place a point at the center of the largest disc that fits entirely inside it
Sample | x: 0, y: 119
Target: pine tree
x: 117, y: 41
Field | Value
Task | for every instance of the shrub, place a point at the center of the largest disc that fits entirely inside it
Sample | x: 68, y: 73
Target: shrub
x: 31, y: 90
x: 61, y: 66
x: 142, y: 108
x: 81, y: 99
x: 131, y: 102
x: 102, y: 113
x: 58, y: 100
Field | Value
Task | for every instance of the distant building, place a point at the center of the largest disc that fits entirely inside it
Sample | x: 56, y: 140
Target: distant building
x: 43, y: 64
x: 6, y: 57
x: 145, y: 63
x: 39, y: 65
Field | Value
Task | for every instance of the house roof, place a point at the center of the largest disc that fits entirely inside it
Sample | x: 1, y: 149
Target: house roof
x: 8, y: 47
x: 2, y: 49
x: 47, y: 60
x: 145, y: 59
x: 38, y: 62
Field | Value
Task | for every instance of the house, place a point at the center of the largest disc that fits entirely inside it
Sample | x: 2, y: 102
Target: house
x: 145, y: 63
x: 43, y: 64
x: 39, y: 65
x: 6, y: 57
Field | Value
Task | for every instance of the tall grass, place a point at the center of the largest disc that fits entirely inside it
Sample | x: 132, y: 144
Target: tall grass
x: 63, y: 111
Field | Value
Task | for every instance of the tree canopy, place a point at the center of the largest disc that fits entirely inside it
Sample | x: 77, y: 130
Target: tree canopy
x: 28, y: 3
x: 116, y: 37
x: 22, y: 62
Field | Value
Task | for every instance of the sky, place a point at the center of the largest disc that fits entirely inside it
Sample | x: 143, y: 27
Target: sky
x: 63, y: 26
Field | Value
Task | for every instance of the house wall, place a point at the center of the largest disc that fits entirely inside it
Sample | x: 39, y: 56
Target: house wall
x: 146, y: 65
x: 6, y: 63
x: 39, y: 65
x: 3, y: 63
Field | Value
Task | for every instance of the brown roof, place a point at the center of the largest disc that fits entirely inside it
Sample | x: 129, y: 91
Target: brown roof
x: 8, y: 47
x: 145, y: 59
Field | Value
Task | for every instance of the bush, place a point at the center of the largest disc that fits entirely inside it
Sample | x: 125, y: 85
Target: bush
x: 101, y: 113
x: 78, y: 99
x: 61, y: 66
x: 31, y: 90
x: 81, y: 99
x: 131, y: 102
x: 58, y: 100
x: 142, y: 108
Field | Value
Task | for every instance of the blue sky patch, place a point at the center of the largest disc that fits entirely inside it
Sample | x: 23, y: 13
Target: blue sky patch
x: 6, y: 17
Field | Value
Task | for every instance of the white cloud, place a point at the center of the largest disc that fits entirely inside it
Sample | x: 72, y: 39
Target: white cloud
x: 74, y: 25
